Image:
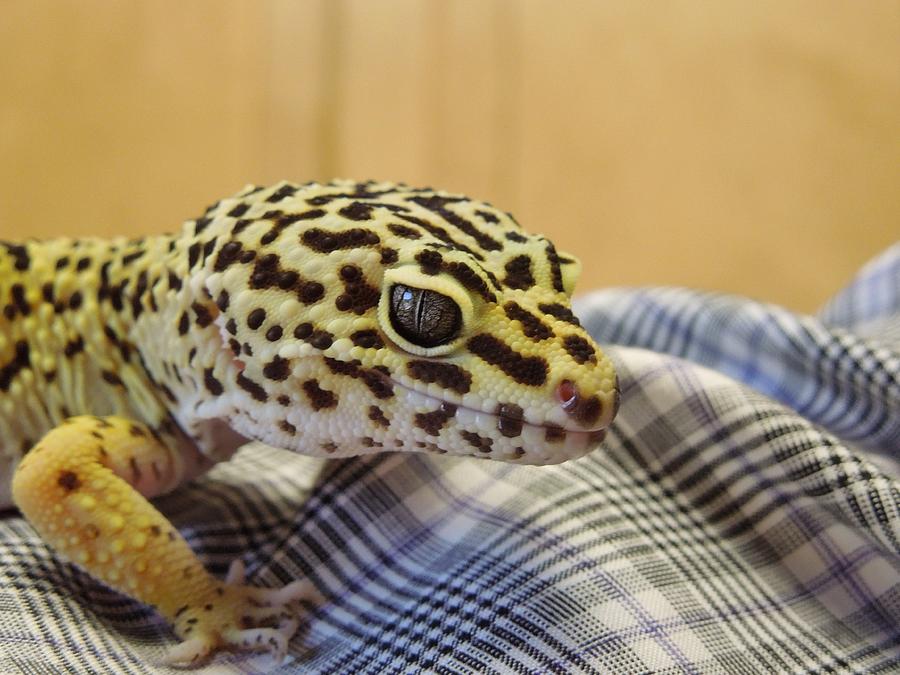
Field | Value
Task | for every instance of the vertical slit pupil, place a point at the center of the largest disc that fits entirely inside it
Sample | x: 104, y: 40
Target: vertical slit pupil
x: 424, y: 317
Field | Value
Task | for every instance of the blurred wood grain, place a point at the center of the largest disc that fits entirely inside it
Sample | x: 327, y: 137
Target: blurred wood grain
x: 747, y: 147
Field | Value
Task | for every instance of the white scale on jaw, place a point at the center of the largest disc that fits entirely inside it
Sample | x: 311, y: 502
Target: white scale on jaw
x: 574, y: 444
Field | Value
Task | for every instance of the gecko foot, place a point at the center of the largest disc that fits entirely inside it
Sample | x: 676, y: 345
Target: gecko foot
x: 239, y: 617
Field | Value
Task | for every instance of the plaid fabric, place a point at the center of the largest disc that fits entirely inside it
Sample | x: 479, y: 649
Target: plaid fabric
x: 738, y: 521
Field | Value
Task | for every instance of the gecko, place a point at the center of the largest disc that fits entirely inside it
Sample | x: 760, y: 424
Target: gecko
x: 331, y: 319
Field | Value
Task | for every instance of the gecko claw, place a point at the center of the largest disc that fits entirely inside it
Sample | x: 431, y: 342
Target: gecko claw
x: 239, y: 617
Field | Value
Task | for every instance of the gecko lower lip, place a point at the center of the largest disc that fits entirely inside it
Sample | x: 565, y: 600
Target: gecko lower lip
x: 549, y: 429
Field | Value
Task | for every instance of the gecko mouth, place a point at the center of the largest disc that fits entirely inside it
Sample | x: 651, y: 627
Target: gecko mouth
x: 555, y: 442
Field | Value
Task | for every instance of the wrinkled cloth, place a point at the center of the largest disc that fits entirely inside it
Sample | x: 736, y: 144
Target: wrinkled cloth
x: 741, y: 517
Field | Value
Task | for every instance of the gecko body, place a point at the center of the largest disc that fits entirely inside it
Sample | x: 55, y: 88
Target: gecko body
x: 330, y: 319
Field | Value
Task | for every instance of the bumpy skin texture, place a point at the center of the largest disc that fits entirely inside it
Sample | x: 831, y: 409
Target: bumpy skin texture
x: 275, y: 317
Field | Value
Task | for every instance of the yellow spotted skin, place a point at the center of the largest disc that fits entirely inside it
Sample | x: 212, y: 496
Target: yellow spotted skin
x: 331, y: 319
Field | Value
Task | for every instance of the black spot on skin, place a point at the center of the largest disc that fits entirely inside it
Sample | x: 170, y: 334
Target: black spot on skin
x: 480, y: 443
x: 251, y: 387
x: 528, y: 370
x: 518, y: 273
x: 560, y: 312
x: 579, y: 349
x: 310, y: 292
x: 278, y: 369
x: 75, y: 300
x: 389, y: 255
x: 227, y: 255
x: 516, y: 237
x: 284, y: 400
x: 140, y: 288
x: 350, y: 273
x: 357, y: 211
x: 287, y: 427
x: 553, y: 433
x: 319, y: 398
x: 555, y: 270
x: 376, y: 379
x: 131, y: 257
x: 213, y: 386
x: 283, y: 192
x: 303, y: 331
x: 168, y: 393
x: 256, y: 318
x: 470, y: 280
x: 174, y: 281
x: 268, y: 273
x: 430, y: 261
x: 68, y: 481
x: 231, y: 326
x: 361, y: 191
x: 367, y: 338
x: 358, y: 295
x: 509, y: 419
x: 442, y: 234
x: 19, y: 254
x: 111, y: 378
x: 447, y: 375
x: 487, y: 217
x: 532, y: 326
x: 74, y: 347
x: 223, y: 300
x: 204, y: 317
x: 321, y: 339
x: 62, y: 262
x: 240, y: 226
x: 201, y: 224
x: 184, y: 323
x: 21, y: 360
x: 324, y: 241
x: 404, y: 231
x: 18, y: 298
x: 376, y: 414
x: 439, y: 205
x: 82, y: 264
x: 274, y: 334
x: 432, y: 422
x: 193, y: 254
x: 239, y: 210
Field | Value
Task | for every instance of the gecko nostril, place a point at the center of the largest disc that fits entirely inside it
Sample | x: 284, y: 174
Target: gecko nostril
x: 567, y: 395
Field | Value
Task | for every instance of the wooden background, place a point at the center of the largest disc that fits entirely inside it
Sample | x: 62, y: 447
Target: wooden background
x: 745, y: 146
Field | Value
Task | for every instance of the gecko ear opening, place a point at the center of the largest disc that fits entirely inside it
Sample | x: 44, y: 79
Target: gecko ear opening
x: 570, y: 266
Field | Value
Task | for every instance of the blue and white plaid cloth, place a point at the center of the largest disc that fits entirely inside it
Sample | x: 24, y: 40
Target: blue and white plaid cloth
x: 741, y: 518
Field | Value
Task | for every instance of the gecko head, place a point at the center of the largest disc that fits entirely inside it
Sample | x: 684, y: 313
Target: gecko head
x: 361, y: 317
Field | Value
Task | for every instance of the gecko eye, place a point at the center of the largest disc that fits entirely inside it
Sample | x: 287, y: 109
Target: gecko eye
x: 425, y: 318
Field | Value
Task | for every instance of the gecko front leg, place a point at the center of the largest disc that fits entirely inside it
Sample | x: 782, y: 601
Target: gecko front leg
x: 84, y: 488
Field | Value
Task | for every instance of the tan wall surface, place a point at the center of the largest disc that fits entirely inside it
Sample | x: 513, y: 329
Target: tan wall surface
x: 746, y: 146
